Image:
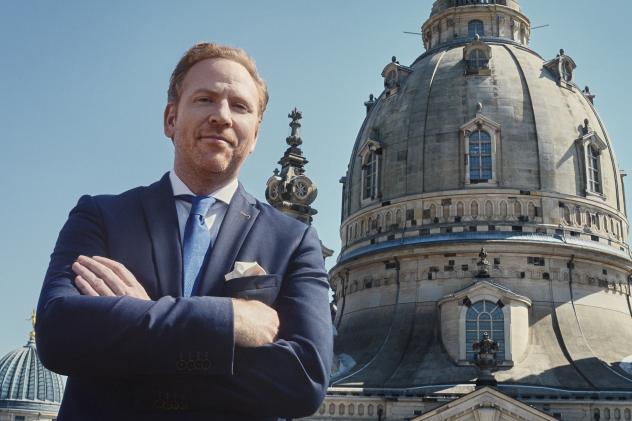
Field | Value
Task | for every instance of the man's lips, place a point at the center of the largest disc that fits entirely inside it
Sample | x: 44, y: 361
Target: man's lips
x: 214, y: 138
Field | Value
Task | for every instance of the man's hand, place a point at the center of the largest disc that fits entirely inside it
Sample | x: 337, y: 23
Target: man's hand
x: 255, y: 323
x: 99, y: 276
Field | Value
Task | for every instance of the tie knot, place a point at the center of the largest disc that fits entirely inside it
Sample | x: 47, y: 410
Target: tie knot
x: 199, y: 204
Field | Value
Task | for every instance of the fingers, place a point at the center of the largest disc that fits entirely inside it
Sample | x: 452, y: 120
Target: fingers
x: 101, y: 278
x: 119, y: 269
x: 84, y: 287
x: 92, y: 282
x: 107, y: 277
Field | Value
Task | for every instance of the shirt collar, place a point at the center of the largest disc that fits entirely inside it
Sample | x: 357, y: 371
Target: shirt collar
x: 223, y: 194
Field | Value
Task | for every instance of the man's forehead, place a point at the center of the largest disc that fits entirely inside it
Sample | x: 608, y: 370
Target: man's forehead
x: 216, y: 71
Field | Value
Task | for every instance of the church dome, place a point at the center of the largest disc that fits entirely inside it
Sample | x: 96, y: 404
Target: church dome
x: 481, y: 112
x: 26, y: 385
x: 482, y: 143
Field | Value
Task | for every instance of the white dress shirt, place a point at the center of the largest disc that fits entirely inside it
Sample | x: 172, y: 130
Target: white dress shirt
x: 215, y: 215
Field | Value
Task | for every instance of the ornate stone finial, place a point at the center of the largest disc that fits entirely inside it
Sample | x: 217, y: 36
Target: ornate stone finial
x: 477, y: 37
x: 486, y: 350
x: 589, y: 95
x: 561, y: 51
x: 290, y: 190
x: 294, y: 139
x: 586, y: 128
x: 483, y: 264
x: 33, y: 321
x: 393, y: 59
x: 370, y: 103
x: 479, y: 107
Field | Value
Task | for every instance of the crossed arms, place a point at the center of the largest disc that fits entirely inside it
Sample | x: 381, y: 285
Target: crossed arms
x: 88, y: 330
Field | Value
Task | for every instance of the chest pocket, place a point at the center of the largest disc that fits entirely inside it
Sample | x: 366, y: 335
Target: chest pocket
x: 264, y: 288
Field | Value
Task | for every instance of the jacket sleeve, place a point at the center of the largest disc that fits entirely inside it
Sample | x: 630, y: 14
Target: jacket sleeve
x: 123, y: 336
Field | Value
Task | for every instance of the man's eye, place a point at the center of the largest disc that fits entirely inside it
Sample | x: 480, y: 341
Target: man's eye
x: 203, y: 99
x: 242, y: 107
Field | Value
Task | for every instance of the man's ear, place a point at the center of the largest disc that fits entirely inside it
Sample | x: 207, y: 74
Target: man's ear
x: 170, y: 120
x: 254, y: 142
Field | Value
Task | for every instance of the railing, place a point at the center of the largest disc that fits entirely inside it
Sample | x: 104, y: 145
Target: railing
x: 457, y: 3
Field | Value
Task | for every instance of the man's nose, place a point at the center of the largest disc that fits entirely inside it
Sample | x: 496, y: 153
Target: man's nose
x: 220, y: 115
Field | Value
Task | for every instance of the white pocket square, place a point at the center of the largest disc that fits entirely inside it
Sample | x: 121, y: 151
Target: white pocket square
x: 245, y: 269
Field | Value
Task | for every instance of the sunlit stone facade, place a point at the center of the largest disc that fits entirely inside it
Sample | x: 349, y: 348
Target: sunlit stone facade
x: 482, y: 143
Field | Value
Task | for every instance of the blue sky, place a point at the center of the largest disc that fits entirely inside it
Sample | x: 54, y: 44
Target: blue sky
x: 83, y: 88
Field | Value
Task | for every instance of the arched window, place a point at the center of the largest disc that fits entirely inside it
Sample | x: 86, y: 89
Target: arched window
x: 370, y: 176
x: 475, y: 27
x: 503, y: 209
x: 398, y: 218
x: 388, y: 220
x: 484, y: 316
x: 459, y: 209
x: 390, y: 81
x: 433, y: 211
x: 474, y: 209
x: 476, y: 61
x: 489, y: 210
x: 480, y: 155
x: 594, y: 170
x: 589, y: 219
x: 567, y: 215
x: 517, y: 209
x: 531, y: 211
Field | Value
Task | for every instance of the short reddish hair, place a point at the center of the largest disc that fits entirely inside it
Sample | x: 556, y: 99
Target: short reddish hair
x: 206, y: 50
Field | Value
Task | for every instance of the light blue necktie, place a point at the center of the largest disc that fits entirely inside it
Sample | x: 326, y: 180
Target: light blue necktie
x: 197, y: 241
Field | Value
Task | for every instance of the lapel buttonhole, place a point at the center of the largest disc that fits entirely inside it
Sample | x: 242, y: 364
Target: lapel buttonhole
x: 244, y: 214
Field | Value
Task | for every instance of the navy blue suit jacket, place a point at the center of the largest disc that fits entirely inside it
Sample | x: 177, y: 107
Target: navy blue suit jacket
x: 173, y: 357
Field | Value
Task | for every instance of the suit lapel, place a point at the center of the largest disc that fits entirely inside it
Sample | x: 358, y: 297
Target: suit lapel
x: 240, y: 216
x: 162, y: 224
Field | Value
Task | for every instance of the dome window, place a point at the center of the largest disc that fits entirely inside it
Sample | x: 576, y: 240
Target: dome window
x: 590, y: 147
x: 480, y: 157
x: 476, y: 56
x: 594, y: 170
x: 485, y: 307
x: 477, y: 60
x: 394, y: 75
x: 562, y: 68
x: 484, y: 317
x: 480, y: 143
x: 370, y: 155
x: 476, y: 27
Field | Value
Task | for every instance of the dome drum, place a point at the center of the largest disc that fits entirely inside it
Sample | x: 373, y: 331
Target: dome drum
x: 484, y: 211
x: 464, y: 21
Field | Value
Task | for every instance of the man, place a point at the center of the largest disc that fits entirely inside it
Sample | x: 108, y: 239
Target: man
x: 136, y: 308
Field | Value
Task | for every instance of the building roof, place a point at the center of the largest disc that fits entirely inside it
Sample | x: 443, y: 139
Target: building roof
x: 26, y: 384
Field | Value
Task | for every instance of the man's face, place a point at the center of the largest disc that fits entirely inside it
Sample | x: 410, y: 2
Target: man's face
x: 214, y: 125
